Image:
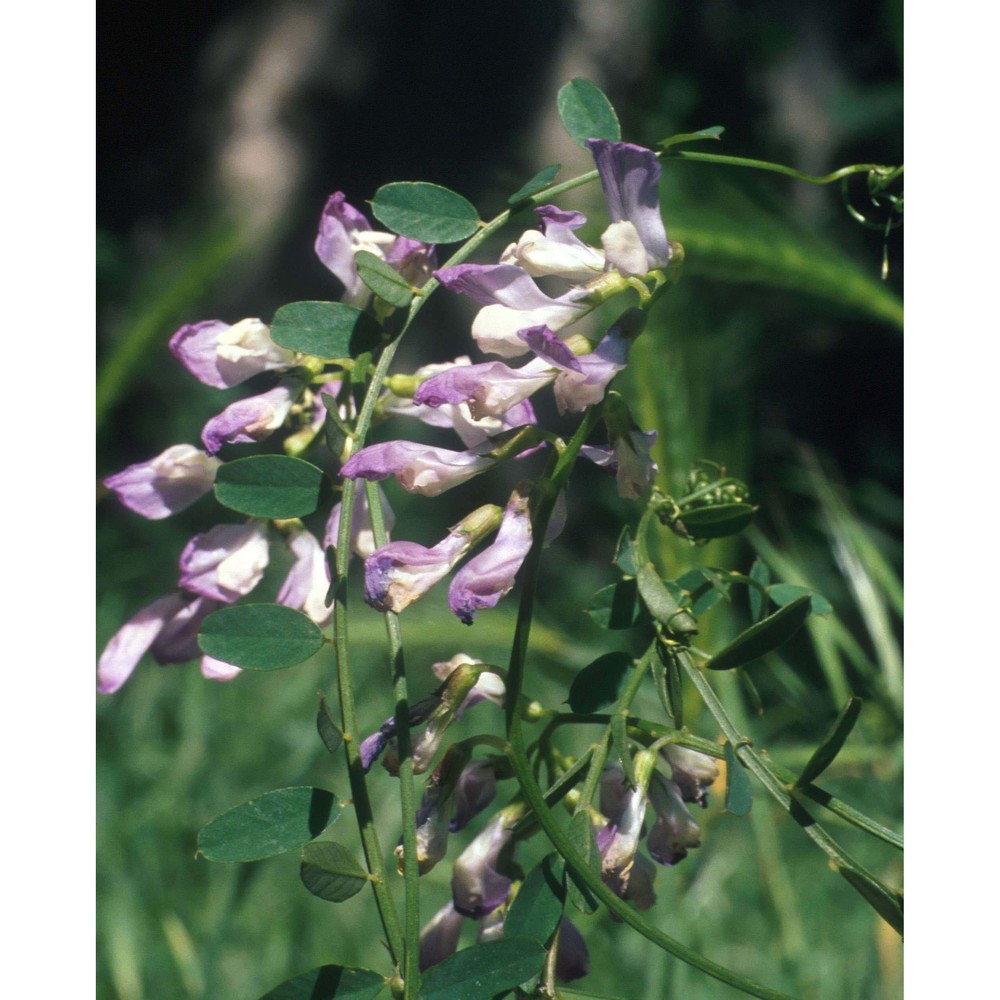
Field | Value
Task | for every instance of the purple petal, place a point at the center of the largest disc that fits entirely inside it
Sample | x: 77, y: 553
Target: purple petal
x: 494, y: 284
x: 418, y: 468
x: 555, y: 221
x: 475, y: 790
x: 166, y: 484
x: 225, y: 562
x: 222, y: 356
x: 489, y: 389
x: 362, y: 537
x: 400, y: 572
x: 249, y: 420
x: 371, y: 748
x: 216, y: 670
x: 415, y: 261
x: 630, y: 178
x: 336, y: 243
x: 572, y: 956
x: 490, y: 575
x: 549, y: 347
x: 178, y: 639
x: 308, y: 580
x: 477, y: 888
x: 131, y: 641
x: 439, y: 938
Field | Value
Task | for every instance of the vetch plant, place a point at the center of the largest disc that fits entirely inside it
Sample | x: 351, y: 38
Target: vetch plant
x: 612, y: 816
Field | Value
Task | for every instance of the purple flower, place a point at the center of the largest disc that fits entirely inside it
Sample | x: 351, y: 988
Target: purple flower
x: 489, y: 576
x: 372, y: 746
x: 343, y: 231
x: 251, y: 419
x: 225, y: 562
x: 692, y: 772
x: 362, y: 536
x: 308, y: 580
x: 630, y: 460
x: 674, y: 830
x: 222, y: 356
x: 477, y: 888
x: 512, y: 302
x: 636, y: 242
x: 554, y: 248
x: 475, y: 790
x: 166, y: 484
x: 400, y: 572
x: 439, y: 937
x: 618, y: 841
x: 489, y: 390
x: 168, y: 628
x: 489, y: 686
x: 572, y: 956
x: 418, y: 468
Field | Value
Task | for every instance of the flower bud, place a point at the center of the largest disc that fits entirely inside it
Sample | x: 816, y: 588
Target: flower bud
x: 167, y: 484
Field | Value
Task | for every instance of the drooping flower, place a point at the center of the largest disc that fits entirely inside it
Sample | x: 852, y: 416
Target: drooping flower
x: 439, y: 937
x: 167, y: 628
x: 400, y: 572
x: 372, y: 747
x: 674, y: 830
x: 475, y: 790
x: 308, y: 580
x: 477, y: 888
x: 618, y: 841
x: 489, y: 576
x: 692, y: 772
x: 343, y: 231
x: 636, y: 242
x: 167, y: 484
x: 222, y: 356
x: 554, y: 248
x: 572, y: 955
x: 418, y: 468
x: 488, y: 687
x: 251, y: 419
x: 225, y: 562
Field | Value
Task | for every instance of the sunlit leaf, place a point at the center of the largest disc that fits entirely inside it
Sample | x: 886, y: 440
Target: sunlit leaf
x: 426, y: 212
x: 260, y: 636
x: 539, y: 182
x: 482, y: 971
x: 271, y: 824
x: 325, y: 329
x: 269, y: 486
x: 586, y: 112
x: 385, y: 281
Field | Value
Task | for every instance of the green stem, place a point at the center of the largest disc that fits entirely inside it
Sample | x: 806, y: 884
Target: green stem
x: 779, y: 168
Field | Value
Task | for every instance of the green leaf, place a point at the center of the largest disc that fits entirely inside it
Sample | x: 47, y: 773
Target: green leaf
x: 269, y: 486
x: 329, y: 731
x: 325, y: 329
x: 785, y: 593
x: 538, y: 905
x: 886, y: 903
x: 718, y: 521
x: 620, y: 745
x: 664, y: 605
x: 271, y: 824
x: 712, y: 132
x: 625, y: 554
x: 260, y: 636
x: 384, y: 280
x: 666, y: 675
x: 329, y: 982
x: 739, y: 797
x: 425, y: 212
x: 587, y: 113
x: 759, y: 573
x: 539, y: 182
x: 616, y: 606
x: 825, y: 753
x: 330, y: 872
x: 482, y: 971
x: 581, y: 836
x: 763, y: 637
x: 599, y: 682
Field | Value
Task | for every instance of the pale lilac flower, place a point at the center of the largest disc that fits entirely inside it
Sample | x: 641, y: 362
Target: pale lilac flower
x: 475, y: 790
x: 166, y: 484
x: 418, y: 468
x: 572, y: 956
x: 343, y: 231
x: 308, y: 581
x: 225, y: 562
x: 692, y: 772
x: 168, y: 628
x: 217, y: 670
x: 618, y: 841
x: 674, y: 830
x: 400, y: 572
x: 636, y: 242
x: 489, y: 576
x: 477, y: 888
x: 362, y: 535
x: 489, y: 686
x: 431, y: 829
x: 554, y: 248
x: 222, y: 356
x: 251, y: 419
x: 512, y: 302
x: 439, y: 937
